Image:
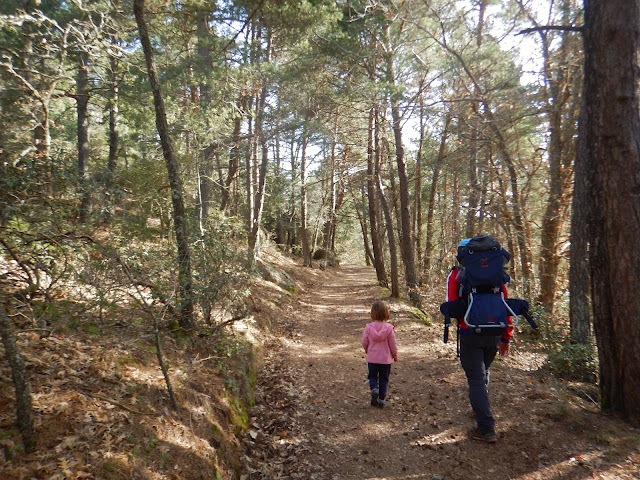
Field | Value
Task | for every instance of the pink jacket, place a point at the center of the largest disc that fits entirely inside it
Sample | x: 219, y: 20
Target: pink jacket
x: 379, y: 342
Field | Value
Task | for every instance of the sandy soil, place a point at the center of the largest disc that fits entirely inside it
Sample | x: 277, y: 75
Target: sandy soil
x: 313, y: 419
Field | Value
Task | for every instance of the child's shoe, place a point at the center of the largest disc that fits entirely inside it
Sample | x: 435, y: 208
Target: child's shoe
x: 374, y: 397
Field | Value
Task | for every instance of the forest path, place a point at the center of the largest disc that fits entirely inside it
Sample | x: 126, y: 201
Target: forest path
x: 313, y: 419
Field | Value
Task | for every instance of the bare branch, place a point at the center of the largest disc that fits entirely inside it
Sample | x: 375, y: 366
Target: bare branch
x: 546, y: 28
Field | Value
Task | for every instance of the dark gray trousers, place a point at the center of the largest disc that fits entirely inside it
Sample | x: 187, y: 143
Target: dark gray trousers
x: 476, y: 355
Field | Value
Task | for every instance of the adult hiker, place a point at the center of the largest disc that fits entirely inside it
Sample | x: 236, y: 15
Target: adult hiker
x: 479, y: 345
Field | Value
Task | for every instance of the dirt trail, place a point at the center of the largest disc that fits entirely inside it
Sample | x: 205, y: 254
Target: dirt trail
x: 313, y: 419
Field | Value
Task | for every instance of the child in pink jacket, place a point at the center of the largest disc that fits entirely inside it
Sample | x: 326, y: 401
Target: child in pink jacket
x: 379, y: 342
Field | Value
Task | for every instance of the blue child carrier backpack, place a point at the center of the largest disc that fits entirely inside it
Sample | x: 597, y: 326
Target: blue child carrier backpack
x: 482, y: 304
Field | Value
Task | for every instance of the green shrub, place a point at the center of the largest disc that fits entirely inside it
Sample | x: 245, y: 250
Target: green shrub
x: 574, y: 361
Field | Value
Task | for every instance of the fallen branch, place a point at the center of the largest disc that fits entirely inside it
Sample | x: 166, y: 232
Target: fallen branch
x: 117, y: 404
x: 210, y: 357
x: 228, y: 322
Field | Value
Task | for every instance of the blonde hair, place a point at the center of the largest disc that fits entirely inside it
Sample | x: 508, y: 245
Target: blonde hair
x: 380, y: 311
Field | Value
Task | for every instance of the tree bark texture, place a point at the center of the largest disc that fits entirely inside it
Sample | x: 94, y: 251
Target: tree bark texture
x: 24, y: 410
x: 175, y: 182
x: 612, y: 39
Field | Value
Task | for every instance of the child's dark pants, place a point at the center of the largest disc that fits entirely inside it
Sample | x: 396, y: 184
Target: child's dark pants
x: 379, y: 378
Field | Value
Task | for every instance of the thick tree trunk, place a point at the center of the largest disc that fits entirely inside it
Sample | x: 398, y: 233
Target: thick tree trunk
x: 611, y: 40
x: 24, y: 410
x: 175, y: 182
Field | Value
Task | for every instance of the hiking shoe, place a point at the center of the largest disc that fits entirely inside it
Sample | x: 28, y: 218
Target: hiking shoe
x: 381, y: 403
x: 374, y: 398
x: 488, y: 436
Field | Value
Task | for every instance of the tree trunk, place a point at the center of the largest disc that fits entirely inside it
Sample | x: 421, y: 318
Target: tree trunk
x: 362, y: 218
x: 561, y: 103
x: 114, y: 132
x: 579, y: 308
x: 391, y: 237
x: 278, y: 181
x: 330, y: 223
x: 518, y: 210
x: 24, y: 410
x: 432, y: 194
x: 611, y: 41
x: 474, y: 183
x: 417, y: 188
x: 262, y: 176
x: 206, y: 164
x: 291, y: 227
x: 304, y: 231
x: 501, y: 141
x: 408, y: 254
x: 393, y: 254
x: 82, y: 101
x: 249, y: 162
x: 473, y: 212
x: 234, y: 157
x: 175, y: 182
x: 378, y: 252
x: 205, y: 184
